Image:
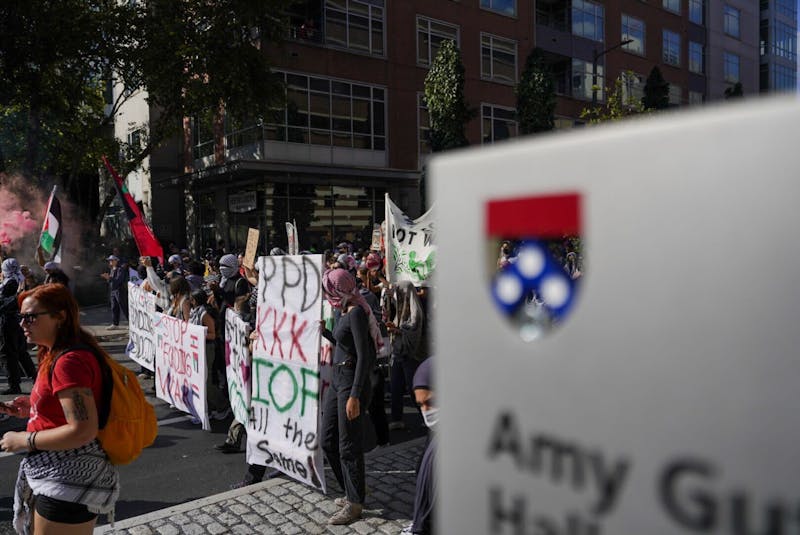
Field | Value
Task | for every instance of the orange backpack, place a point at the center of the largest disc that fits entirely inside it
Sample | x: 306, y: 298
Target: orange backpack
x: 126, y: 421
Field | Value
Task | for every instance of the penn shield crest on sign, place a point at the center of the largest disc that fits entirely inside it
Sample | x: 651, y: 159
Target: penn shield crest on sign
x: 535, y: 259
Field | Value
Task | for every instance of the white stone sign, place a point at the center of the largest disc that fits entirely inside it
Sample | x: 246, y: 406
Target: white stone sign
x: 667, y: 401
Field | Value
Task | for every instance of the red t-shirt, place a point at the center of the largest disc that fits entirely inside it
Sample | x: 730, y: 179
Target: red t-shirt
x: 74, y: 369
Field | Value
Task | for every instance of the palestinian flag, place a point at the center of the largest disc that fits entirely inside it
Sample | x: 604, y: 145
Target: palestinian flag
x: 145, y: 240
x: 49, y: 249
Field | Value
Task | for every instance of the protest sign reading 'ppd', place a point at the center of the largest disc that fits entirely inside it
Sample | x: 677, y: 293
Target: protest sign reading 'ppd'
x: 283, y: 428
x: 666, y: 401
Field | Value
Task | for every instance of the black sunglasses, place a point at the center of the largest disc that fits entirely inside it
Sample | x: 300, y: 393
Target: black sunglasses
x: 30, y: 317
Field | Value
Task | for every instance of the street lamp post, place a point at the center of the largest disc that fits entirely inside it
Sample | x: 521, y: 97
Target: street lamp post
x: 595, y: 57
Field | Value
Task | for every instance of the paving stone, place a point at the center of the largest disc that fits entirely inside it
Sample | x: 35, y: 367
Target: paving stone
x: 252, y: 519
x: 297, y: 518
x: 278, y: 490
x: 281, y: 507
x: 318, y: 516
x: 192, y: 529
x: 312, y: 528
x: 168, y: 529
x: 362, y: 527
x: 328, y: 507
x: 156, y: 523
x: 266, y: 529
x: 314, y: 497
x: 212, y: 509
x: 276, y: 519
x: 142, y: 530
x: 239, y: 509
x: 247, y: 499
x: 227, y: 519
x: 291, y: 499
x: 180, y: 519
x: 262, y: 509
x: 215, y: 528
x: 339, y: 530
x: 289, y: 529
x: 241, y: 529
x: 201, y: 518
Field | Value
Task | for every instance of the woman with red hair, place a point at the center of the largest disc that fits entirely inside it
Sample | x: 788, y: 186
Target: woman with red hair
x: 65, y: 479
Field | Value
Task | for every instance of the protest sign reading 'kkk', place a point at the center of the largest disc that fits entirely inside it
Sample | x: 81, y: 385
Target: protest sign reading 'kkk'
x: 283, y: 430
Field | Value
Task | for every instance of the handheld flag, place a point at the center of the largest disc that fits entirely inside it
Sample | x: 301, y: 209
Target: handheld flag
x: 146, y: 242
x: 49, y: 249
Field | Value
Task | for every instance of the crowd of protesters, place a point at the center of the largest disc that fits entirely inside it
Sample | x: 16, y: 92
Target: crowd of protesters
x: 379, y: 331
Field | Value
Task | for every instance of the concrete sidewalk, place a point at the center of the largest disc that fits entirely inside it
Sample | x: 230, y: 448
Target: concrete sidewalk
x: 283, y: 506
x: 97, y: 318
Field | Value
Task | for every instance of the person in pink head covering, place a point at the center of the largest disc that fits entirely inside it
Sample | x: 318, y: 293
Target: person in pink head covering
x: 356, y: 339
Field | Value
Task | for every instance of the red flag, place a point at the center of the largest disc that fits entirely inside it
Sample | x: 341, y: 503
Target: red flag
x: 145, y: 240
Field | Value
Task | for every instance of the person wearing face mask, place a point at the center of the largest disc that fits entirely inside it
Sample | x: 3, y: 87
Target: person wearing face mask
x: 357, y: 339
x: 425, y: 495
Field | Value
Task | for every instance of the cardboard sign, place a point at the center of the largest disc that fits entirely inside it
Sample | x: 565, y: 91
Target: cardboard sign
x: 181, y: 365
x: 284, y: 425
x: 251, y: 249
x: 238, y: 365
x: 667, y: 400
x: 142, y: 340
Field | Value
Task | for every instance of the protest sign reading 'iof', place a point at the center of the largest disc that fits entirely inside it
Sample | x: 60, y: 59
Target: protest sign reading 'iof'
x: 283, y: 430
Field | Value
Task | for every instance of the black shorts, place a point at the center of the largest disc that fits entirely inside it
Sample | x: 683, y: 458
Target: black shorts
x: 63, y: 512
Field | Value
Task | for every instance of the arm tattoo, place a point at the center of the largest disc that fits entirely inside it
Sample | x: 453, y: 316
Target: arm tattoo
x: 80, y: 412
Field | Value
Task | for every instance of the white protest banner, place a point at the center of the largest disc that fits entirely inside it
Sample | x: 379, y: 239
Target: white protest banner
x: 284, y: 425
x: 291, y: 239
x: 181, y: 365
x: 410, y: 245
x: 666, y: 401
x: 141, y: 313
x: 238, y: 365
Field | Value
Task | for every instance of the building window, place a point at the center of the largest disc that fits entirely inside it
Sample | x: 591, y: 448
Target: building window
x: 697, y: 11
x: 587, y: 19
x: 355, y: 24
x: 784, y: 41
x: 498, y: 59
x: 674, y: 95
x: 731, y: 24
x: 787, y: 8
x: 633, y: 29
x: 671, y: 52
x: 430, y: 35
x: 322, y: 111
x: 672, y: 5
x: 695, y: 98
x: 497, y: 123
x: 783, y: 78
x: 730, y: 67
x: 582, y: 80
x: 506, y: 7
x: 424, y: 131
x: 632, y: 88
x: 696, y: 57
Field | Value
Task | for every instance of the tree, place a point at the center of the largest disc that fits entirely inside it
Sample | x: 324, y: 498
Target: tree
x: 536, y: 96
x: 656, y: 91
x: 618, y: 105
x: 734, y: 91
x: 58, y: 60
x: 444, y: 97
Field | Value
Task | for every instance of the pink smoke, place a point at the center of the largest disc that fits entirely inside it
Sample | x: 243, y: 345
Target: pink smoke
x: 15, y: 225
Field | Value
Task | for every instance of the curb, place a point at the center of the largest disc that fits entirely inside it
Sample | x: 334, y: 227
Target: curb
x: 231, y: 494
x: 188, y: 506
